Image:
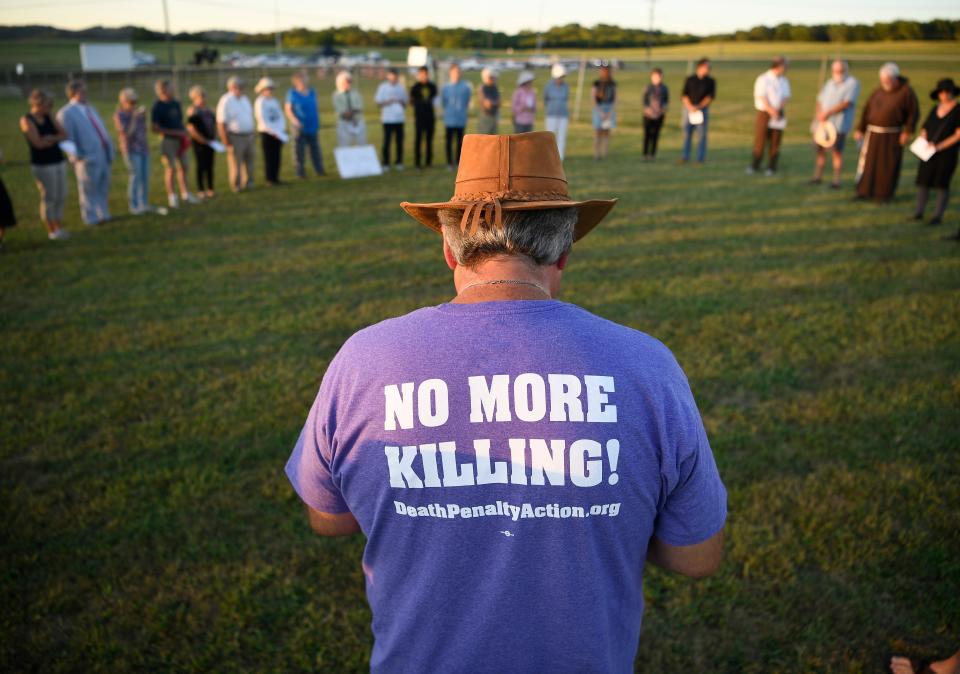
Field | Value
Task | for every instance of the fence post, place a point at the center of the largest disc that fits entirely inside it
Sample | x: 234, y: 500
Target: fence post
x: 580, y: 75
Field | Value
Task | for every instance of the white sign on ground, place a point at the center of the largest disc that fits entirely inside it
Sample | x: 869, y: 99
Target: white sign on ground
x: 357, y: 162
x: 106, y: 56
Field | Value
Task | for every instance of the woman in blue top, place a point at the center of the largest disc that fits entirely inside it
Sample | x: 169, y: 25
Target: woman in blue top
x: 455, y: 97
x: 604, y: 112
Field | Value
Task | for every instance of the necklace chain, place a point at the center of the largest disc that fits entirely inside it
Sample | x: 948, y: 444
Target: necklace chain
x: 512, y: 282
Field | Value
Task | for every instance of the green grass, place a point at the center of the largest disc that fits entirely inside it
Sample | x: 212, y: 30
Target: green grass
x: 155, y: 373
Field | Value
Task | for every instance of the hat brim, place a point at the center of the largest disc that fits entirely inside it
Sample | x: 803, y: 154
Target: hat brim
x: 935, y: 94
x: 589, y: 213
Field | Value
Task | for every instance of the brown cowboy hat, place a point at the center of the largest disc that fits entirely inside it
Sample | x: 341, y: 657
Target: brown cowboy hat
x: 510, y: 173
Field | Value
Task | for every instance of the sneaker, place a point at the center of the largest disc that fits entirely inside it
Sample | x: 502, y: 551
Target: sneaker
x: 769, y: 172
x: 814, y: 181
x: 160, y: 210
x: 834, y: 186
x: 172, y: 201
x: 190, y: 198
x: 398, y: 167
x: 59, y: 235
x: 386, y: 168
x: 749, y: 171
x: 933, y: 222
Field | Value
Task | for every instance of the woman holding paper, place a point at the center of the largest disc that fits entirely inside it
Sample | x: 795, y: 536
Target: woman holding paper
x: 202, y: 127
x: 47, y: 163
x: 940, y: 133
x: 272, y: 128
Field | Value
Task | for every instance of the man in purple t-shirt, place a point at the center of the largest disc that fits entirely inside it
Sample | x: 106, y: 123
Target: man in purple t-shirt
x: 514, y: 461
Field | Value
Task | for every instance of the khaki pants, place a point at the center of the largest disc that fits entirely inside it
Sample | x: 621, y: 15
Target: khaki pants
x: 761, y: 134
x: 52, y: 183
x: 240, y: 160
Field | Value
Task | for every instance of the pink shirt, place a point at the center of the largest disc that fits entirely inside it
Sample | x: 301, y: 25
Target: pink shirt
x: 524, y: 105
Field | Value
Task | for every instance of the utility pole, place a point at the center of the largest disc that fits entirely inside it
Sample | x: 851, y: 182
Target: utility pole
x: 166, y: 25
x: 650, y: 33
x: 277, y: 39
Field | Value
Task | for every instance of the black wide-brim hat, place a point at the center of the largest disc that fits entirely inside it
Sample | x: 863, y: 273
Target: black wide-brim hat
x: 946, y: 84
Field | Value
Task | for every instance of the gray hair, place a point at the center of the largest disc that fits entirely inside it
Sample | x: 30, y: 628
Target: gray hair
x: 843, y: 63
x: 890, y: 69
x: 543, y: 235
x: 234, y: 81
x: 343, y: 77
x: 197, y: 90
x: 73, y: 87
x: 127, y: 94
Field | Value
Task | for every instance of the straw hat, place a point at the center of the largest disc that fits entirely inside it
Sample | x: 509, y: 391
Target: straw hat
x: 510, y: 173
x: 264, y: 83
x: 524, y: 77
x: 558, y: 70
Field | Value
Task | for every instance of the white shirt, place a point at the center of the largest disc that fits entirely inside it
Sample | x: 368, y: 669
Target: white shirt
x: 269, y: 115
x: 772, y: 90
x: 235, y: 113
x: 392, y: 113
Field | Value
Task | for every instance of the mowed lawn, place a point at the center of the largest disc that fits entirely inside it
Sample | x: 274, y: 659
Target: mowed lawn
x: 155, y: 373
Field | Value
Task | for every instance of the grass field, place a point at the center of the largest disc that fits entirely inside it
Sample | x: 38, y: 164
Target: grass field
x: 155, y: 373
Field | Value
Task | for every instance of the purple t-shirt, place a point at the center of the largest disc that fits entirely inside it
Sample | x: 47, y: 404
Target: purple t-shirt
x: 508, y: 463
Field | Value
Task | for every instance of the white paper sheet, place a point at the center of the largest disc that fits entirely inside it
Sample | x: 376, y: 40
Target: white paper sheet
x: 695, y: 118
x: 779, y: 124
x: 923, y: 149
x: 217, y: 146
x: 356, y: 162
x: 68, y: 146
x: 282, y: 136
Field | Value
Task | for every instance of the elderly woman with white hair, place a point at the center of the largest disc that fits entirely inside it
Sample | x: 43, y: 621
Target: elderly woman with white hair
x: 489, y: 113
x: 130, y: 120
x: 348, y: 104
x: 888, y: 120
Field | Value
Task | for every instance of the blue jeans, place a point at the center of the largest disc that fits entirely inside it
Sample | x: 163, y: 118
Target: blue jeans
x: 138, y: 165
x: 700, y: 130
x: 302, y: 141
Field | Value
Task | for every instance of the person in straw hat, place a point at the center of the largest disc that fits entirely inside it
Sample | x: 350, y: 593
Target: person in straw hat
x: 556, y: 96
x: 510, y: 458
x: 272, y: 128
x: 524, y: 103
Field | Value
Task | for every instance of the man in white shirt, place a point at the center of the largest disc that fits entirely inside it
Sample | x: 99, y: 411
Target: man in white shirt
x: 836, y: 103
x: 235, y: 125
x: 392, y: 98
x: 771, y: 91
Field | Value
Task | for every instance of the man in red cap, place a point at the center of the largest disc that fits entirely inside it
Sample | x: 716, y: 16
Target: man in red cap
x: 513, y: 460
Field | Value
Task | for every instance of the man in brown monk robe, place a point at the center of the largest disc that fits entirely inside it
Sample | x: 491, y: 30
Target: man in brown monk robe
x: 889, y: 119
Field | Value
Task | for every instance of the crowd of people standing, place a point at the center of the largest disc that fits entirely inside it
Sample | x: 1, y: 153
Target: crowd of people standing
x: 77, y: 134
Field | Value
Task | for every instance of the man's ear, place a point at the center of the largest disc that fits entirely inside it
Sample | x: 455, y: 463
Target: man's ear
x: 562, y: 262
x: 448, y: 255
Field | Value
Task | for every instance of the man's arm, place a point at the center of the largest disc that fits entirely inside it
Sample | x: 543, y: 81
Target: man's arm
x: 696, y: 561
x: 339, y: 524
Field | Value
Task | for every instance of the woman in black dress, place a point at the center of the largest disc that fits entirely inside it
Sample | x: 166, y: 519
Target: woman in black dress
x: 7, y: 219
x: 942, y: 129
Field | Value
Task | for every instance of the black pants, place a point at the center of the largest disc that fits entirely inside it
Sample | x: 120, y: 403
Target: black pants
x: 394, y: 131
x: 271, y: 156
x: 204, y: 156
x: 454, y: 131
x: 425, y: 127
x: 651, y: 132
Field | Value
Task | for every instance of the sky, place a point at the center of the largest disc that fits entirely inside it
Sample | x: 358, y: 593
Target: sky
x: 700, y: 17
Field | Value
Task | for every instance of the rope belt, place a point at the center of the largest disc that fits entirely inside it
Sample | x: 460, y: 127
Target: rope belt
x: 871, y: 129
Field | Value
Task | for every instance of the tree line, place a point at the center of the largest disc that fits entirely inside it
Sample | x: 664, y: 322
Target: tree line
x: 571, y: 35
